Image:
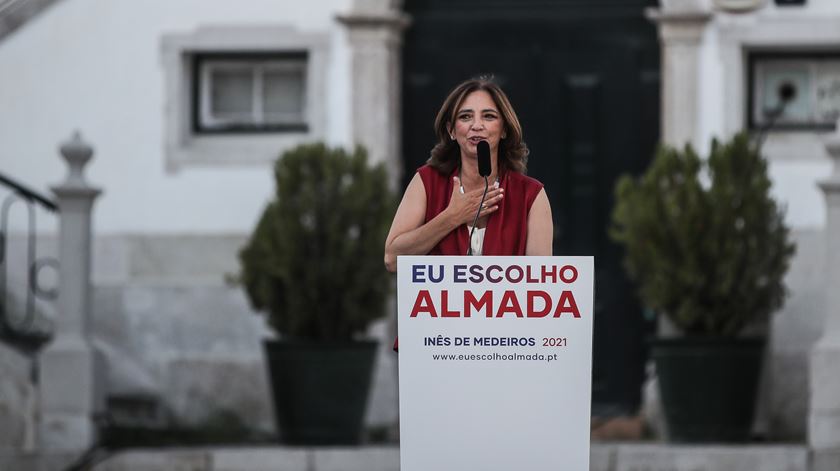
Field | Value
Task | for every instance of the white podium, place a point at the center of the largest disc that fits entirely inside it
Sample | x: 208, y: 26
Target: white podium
x: 495, y: 363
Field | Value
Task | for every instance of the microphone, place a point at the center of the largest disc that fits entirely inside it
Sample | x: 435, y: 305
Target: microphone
x: 484, y: 169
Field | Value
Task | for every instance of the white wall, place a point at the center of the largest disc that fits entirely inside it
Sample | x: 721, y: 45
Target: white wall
x: 94, y: 65
x: 797, y: 160
x: 164, y: 239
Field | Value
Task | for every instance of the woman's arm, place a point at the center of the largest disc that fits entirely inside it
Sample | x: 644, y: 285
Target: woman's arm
x: 540, y: 227
x: 410, y: 236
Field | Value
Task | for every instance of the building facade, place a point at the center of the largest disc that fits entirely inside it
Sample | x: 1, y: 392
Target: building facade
x: 187, y: 104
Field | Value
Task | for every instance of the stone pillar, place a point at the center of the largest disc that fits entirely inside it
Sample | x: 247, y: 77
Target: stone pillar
x: 71, y: 372
x: 375, y: 37
x: 374, y: 32
x: 824, y: 416
x: 682, y: 24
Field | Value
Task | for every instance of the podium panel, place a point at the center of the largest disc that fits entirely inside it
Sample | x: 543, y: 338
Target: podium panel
x: 495, y: 362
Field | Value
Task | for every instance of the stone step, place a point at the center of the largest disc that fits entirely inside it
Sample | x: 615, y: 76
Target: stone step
x: 604, y: 457
x: 30, y: 461
x: 663, y: 457
x: 257, y: 459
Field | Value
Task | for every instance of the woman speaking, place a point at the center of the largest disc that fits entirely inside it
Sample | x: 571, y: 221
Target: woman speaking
x: 443, y: 198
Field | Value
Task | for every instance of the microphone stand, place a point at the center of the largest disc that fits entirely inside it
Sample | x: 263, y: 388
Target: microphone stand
x: 786, y: 94
x: 475, y: 221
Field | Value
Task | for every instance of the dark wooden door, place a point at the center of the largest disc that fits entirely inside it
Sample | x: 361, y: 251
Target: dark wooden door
x: 584, y: 79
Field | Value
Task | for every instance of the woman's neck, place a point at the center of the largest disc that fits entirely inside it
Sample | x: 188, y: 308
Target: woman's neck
x: 470, y: 179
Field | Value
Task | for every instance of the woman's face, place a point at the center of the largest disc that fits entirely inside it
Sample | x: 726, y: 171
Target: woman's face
x: 477, y: 119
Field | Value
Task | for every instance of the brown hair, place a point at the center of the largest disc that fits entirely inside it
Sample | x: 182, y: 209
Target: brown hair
x: 446, y: 155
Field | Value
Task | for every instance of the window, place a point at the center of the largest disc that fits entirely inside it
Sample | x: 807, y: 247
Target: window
x: 250, y: 93
x: 241, y: 95
x: 811, y: 80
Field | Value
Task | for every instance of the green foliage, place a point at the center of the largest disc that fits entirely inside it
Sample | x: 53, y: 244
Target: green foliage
x: 315, y: 259
x: 712, y: 258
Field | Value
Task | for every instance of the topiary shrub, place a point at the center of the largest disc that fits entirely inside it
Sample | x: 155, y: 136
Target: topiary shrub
x: 314, y: 262
x: 710, y: 257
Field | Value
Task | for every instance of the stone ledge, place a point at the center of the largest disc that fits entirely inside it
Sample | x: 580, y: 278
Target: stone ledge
x: 604, y: 457
x: 366, y: 458
x: 661, y: 457
x: 25, y: 461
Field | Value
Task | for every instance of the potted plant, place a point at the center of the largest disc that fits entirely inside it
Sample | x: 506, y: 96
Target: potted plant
x: 314, y: 265
x: 710, y: 254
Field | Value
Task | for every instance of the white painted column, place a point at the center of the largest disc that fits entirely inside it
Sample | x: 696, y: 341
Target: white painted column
x: 71, y: 372
x: 374, y: 30
x: 682, y: 25
x: 824, y: 416
x: 375, y: 37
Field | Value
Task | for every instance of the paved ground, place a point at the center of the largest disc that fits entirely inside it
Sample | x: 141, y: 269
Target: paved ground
x: 604, y: 457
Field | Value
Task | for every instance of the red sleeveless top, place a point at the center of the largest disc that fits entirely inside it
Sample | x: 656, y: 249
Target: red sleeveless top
x: 507, y: 227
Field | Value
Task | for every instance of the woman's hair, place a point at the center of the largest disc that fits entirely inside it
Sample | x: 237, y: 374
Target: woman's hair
x: 446, y: 155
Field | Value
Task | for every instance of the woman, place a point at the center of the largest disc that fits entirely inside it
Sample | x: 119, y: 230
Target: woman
x: 443, y: 197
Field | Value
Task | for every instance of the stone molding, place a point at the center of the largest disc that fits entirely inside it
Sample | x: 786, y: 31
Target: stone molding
x: 681, y: 31
x: 375, y: 40
x: 762, y: 32
x: 681, y: 26
x: 182, y: 147
x: 739, y: 6
x: 395, y: 21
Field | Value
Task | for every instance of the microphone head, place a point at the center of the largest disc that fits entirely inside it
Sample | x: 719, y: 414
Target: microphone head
x: 484, y: 168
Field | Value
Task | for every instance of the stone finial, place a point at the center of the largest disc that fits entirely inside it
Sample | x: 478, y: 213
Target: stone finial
x: 77, y: 153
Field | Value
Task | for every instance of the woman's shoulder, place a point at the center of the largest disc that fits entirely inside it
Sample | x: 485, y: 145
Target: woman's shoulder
x: 528, y: 188
x: 431, y: 176
x: 427, y: 171
x: 430, y: 171
x: 432, y: 179
x: 524, y: 180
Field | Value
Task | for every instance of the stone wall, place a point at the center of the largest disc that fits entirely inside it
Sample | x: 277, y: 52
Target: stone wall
x: 18, y: 401
x: 171, y: 326
x: 164, y: 303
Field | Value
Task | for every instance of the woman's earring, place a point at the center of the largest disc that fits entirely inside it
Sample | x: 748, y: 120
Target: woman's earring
x: 452, y: 137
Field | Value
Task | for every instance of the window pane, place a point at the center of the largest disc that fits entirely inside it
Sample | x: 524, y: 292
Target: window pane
x: 828, y: 92
x: 232, y: 92
x: 799, y: 109
x: 813, y: 81
x: 283, y: 96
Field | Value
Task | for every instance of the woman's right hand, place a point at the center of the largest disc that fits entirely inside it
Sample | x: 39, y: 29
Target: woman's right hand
x: 462, y: 206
